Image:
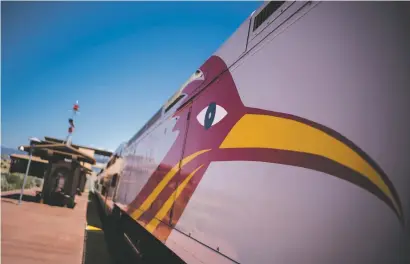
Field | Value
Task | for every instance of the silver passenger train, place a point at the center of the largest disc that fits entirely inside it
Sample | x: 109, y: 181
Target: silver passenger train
x: 290, y: 144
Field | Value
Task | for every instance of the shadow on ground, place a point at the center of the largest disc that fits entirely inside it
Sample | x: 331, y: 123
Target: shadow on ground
x: 106, y: 246
x: 96, y: 249
x: 32, y: 199
x: 16, y: 196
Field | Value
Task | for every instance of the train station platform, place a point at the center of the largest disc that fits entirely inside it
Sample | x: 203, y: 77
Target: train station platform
x: 34, y: 233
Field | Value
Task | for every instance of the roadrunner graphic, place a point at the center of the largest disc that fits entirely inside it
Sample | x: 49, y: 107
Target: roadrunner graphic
x: 226, y: 130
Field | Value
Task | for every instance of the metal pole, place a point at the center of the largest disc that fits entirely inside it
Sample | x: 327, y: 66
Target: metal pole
x: 25, y: 176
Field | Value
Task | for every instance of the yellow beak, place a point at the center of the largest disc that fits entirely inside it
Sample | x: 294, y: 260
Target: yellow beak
x: 279, y: 133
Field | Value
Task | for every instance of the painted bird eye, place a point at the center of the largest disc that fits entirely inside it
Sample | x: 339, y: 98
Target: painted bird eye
x: 211, y: 115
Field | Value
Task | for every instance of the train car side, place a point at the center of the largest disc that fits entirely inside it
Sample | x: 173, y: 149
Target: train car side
x: 283, y: 146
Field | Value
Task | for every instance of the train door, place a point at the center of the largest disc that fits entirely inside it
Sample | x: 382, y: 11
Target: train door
x: 111, y: 188
x: 212, y: 114
x: 119, y: 167
x: 155, y: 200
x: 115, y: 183
x: 151, y: 165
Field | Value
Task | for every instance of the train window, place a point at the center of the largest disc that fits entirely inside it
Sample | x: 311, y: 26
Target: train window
x: 266, y: 13
x: 114, y: 180
x: 197, y: 75
x: 174, y: 102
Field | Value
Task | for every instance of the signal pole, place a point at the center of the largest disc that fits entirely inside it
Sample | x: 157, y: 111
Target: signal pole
x: 75, y: 109
x: 28, y: 167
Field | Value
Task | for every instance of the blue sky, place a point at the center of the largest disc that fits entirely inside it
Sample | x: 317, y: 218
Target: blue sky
x: 121, y: 60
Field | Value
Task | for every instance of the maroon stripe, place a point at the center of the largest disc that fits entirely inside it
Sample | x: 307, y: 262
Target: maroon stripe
x: 171, y: 159
x: 341, y: 138
x: 298, y: 159
x: 166, y: 193
x: 165, y: 227
x: 175, y: 181
x: 308, y: 161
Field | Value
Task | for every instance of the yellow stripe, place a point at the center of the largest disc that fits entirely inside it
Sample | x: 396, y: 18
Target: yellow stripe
x: 263, y: 131
x: 92, y: 228
x: 154, y: 194
x: 167, y: 205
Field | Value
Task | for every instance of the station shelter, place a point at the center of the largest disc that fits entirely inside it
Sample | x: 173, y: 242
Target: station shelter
x: 65, y: 168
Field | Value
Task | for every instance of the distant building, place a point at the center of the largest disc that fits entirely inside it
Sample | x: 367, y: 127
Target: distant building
x: 18, y: 163
x: 38, y: 165
x: 101, y: 156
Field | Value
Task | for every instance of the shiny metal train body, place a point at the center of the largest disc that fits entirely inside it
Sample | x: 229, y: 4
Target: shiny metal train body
x: 290, y: 144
